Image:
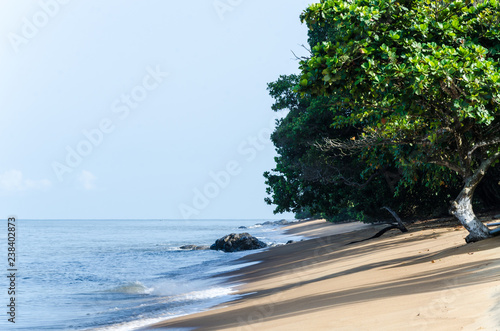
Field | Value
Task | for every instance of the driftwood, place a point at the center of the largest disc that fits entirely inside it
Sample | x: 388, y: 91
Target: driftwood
x: 398, y: 225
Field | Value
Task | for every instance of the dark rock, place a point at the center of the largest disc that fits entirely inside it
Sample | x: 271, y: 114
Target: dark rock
x: 242, y: 227
x: 194, y: 247
x: 188, y: 247
x: 237, y: 242
x: 274, y: 223
x: 290, y: 242
x: 202, y: 248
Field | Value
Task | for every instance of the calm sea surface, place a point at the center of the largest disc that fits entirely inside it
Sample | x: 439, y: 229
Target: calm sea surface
x: 117, y: 274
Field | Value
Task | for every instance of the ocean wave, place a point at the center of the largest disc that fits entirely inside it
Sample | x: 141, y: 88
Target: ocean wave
x: 139, y: 324
x: 172, y: 305
x: 231, y: 267
x: 132, y: 288
x: 211, y: 293
x: 255, y: 226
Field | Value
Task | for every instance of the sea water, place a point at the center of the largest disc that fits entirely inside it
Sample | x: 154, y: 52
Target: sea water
x: 119, y: 274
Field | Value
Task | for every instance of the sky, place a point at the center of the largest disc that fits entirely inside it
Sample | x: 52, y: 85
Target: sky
x: 150, y: 109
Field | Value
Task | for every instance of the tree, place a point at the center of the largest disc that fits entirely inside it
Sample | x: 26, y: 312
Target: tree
x: 421, y: 79
x: 332, y: 184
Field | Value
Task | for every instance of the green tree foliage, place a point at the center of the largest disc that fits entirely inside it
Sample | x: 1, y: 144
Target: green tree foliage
x: 305, y: 177
x: 420, y: 80
x: 332, y: 184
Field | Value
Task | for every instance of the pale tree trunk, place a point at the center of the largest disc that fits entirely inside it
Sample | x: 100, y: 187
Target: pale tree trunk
x: 461, y: 208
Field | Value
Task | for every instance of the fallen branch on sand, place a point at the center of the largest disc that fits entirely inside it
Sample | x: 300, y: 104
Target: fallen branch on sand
x: 398, y: 225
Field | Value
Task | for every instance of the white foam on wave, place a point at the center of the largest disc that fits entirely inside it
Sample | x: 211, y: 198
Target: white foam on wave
x: 231, y: 267
x: 170, y: 287
x: 211, y: 293
x: 140, y: 324
x: 192, y: 290
x: 255, y: 226
x: 209, y: 297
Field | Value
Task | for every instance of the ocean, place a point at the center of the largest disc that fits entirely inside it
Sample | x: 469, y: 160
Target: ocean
x: 119, y: 274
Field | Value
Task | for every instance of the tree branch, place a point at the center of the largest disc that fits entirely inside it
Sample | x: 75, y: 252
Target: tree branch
x: 401, y: 225
x: 317, y: 174
x: 493, y: 141
x: 307, y: 49
x: 298, y: 58
x: 476, y: 177
x: 449, y: 165
x: 351, y: 145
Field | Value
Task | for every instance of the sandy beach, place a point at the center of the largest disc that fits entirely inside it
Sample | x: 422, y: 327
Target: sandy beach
x: 426, y: 279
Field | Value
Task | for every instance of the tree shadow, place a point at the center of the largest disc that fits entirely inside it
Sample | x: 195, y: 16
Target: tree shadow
x: 284, y: 262
x: 276, y: 309
x: 315, y: 252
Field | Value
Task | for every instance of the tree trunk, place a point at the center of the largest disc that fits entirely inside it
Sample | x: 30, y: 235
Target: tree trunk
x: 461, y: 208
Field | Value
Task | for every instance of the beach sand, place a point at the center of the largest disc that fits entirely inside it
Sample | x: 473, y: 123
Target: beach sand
x: 426, y: 279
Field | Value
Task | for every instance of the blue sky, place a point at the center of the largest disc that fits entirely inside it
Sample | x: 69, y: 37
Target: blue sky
x: 141, y: 109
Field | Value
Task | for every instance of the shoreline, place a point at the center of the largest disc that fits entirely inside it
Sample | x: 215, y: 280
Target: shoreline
x: 421, y: 280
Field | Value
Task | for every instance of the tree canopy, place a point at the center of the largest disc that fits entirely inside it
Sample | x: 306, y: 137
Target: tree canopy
x: 410, y: 88
x: 333, y: 184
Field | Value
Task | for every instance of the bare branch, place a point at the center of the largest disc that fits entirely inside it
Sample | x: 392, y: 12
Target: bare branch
x: 307, y: 49
x: 347, y: 147
x: 493, y: 141
x: 298, y: 58
x: 449, y: 165
x: 401, y: 225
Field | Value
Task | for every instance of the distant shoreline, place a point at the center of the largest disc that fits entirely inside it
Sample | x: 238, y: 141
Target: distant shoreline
x: 423, y: 279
